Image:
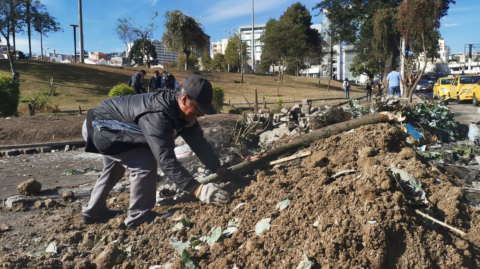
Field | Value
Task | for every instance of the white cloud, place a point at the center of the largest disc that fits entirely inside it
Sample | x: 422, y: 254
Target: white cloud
x: 154, y: 2
x: 228, y: 9
x: 460, y: 9
x: 451, y: 24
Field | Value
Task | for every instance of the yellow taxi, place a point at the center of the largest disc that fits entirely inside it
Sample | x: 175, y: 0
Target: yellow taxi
x: 462, y: 86
x: 441, y: 87
x: 476, y: 92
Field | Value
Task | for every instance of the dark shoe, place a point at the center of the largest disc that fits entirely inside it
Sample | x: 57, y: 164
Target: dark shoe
x: 109, y: 214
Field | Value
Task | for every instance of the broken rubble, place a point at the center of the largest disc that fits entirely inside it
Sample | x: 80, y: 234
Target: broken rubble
x: 16, y: 199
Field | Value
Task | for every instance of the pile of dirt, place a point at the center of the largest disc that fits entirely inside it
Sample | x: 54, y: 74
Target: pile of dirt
x: 361, y: 219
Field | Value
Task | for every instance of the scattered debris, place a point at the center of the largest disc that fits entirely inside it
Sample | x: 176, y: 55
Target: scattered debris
x: 305, y: 263
x: 238, y: 206
x: 232, y: 227
x: 262, y: 225
x: 293, y: 157
x: 344, y: 172
x: 68, y: 196
x: 283, y: 204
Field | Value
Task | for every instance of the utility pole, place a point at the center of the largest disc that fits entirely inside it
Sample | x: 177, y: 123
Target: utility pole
x: 74, y: 41
x: 80, y: 30
x: 253, y: 41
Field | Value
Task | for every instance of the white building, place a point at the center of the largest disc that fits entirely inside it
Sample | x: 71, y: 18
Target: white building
x: 163, y: 55
x: 219, y: 46
x: 246, y: 36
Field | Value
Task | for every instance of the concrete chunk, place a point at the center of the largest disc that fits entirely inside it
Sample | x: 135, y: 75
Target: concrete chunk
x: 16, y: 199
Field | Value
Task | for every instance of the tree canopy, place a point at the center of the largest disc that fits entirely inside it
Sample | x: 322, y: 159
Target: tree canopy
x: 142, y: 50
x: 183, y: 33
x: 291, y: 40
x: 354, y: 20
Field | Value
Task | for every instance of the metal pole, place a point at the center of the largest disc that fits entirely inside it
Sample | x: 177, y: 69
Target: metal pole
x: 81, y: 30
x: 74, y: 41
x: 253, y: 40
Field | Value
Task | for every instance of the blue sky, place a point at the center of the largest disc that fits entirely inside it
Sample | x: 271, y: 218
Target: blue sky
x: 460, y: 27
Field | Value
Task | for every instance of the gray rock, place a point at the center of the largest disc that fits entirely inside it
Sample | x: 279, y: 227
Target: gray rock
x: 50, y: 203
x: 16, y: 199
x: 39, y: 204
x: 267, y: 136
x: 263, y: 111
x: 283, y: 131
x: 67, y: 147
x: 68, y: 196
x: 285, y: 110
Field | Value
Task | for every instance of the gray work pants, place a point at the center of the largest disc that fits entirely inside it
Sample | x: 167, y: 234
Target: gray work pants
x: 143, y: 176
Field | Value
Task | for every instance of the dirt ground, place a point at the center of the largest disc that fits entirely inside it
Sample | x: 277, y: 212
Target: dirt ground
x: 359, y: 220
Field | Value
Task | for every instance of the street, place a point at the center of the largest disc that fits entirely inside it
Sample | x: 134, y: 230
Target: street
x: 468, y: 112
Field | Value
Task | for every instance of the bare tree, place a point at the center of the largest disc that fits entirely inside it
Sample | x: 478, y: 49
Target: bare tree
x: 124, y: 31
x: 10, y: 15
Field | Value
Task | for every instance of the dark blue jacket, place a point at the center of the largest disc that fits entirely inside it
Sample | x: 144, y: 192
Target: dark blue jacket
x: 137, y: 84
x: 155, y: 82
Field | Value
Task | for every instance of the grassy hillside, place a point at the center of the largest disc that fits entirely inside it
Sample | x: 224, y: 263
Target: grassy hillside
x: 88, y: 85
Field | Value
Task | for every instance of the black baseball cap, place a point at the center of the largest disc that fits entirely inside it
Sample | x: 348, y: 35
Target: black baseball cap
x: 16, y: 74
x: 201, y: 91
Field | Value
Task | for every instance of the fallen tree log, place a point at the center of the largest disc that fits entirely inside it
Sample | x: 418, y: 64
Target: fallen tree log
x: 305, y: 141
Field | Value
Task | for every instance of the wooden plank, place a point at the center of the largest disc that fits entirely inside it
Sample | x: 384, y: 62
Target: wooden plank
x: 293, y: 157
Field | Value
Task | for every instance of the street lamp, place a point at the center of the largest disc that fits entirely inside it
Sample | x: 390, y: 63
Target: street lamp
x: 74, y: 41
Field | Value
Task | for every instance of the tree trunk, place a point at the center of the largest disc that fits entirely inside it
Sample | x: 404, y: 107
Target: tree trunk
x: 14, y: 43
x: 187, y: 54
x: 305, y: 141
x: 10, y: 60
x: 127, y: 55
x: 389, y: 63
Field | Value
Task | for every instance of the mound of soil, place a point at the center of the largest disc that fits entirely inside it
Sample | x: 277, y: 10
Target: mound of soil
x: 356, y: 220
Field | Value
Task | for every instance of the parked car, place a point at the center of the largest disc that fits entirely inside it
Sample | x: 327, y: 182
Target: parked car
x: 461, y: 87
x: 476, y: 92
x: 424, y: 85
x: 441, y: 87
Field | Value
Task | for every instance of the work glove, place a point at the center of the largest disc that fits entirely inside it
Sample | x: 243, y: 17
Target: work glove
x: 211, y: 193
x: 225, y: 175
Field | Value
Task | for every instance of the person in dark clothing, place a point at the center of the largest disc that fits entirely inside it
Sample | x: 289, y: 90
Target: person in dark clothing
x: 369, y: 85
x: 138, y: 132
x: 155, y: 82
x: 136, y: 82
x: 16, y: 76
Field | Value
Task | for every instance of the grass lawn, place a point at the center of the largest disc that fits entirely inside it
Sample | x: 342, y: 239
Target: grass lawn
x: 88, y: 85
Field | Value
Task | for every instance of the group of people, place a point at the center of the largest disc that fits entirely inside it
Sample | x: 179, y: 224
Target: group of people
x: 393, y: 81
x: 137, y: 132
x: 164, y: 82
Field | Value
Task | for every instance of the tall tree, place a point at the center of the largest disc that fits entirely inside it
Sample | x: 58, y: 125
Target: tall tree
x: 124, y: 31
x: 44, y: 24
x: 418, y: 21
x: 218, y: 62
x: 183, y: 32
x: 206, y: 62
x: 142, y: 51
x: 354, y: 20
x: 10, y: 15
x: 291, y: 39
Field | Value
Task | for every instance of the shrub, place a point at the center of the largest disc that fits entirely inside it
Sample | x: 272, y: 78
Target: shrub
x: 120, y: 90
x: 9, y: 95
x: 42, y: 103
x: 279, y: 101
x: 218, y: 97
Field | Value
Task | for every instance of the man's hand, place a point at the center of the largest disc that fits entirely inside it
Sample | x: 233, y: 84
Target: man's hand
x: 225, y: 175
x: 212, y: 194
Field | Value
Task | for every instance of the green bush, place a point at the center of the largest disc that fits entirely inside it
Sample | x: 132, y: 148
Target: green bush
x: 40, y: 101
x: 120, y: 90
x: 218, y: 97
x: 9, y: 95
x: 279, y: 101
